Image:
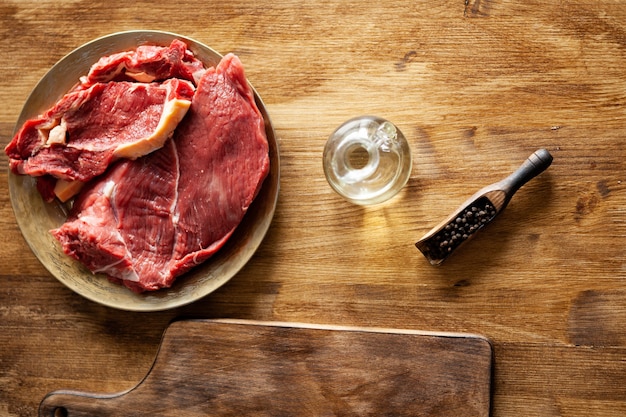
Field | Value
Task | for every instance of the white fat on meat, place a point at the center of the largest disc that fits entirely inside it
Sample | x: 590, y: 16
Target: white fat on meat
x: 57, y: 134
x: 174, y: 109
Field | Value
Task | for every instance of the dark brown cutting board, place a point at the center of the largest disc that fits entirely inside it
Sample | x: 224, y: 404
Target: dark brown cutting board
x: 245, y: 368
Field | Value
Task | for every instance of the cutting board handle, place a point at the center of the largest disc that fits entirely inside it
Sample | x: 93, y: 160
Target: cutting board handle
x: 78, y: 404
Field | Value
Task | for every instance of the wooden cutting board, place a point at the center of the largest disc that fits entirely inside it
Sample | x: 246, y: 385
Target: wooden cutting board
x: 246, y: 368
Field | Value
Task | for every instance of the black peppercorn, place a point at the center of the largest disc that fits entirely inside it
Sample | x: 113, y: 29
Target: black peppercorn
x: 468, y: 222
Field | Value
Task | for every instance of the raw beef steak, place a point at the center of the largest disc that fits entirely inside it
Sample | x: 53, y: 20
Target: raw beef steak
x: 123, y: 225
x: 149, y: 220
x: 88, y: 129
x: 147, y: 63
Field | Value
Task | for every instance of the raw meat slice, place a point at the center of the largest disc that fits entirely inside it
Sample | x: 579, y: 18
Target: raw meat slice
x: 235, y: 161
x: 147, y: 63
x: 147, y: 221
x: 87, y: 130
x: 122, y: 225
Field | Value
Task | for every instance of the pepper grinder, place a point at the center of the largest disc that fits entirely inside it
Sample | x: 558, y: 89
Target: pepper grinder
x: 367, y: 160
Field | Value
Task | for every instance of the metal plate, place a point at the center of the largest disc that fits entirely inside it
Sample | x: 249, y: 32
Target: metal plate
x: 35, y: 217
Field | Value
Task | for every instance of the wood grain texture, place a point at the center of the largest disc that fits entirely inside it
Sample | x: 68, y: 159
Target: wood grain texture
x: 475, y: 86
x: 267, y: 369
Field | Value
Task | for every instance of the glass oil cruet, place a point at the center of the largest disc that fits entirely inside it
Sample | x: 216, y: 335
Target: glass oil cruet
x: 367, y: 160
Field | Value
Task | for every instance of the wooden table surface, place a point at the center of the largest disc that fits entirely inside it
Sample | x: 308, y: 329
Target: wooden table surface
x: 476, y: 86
